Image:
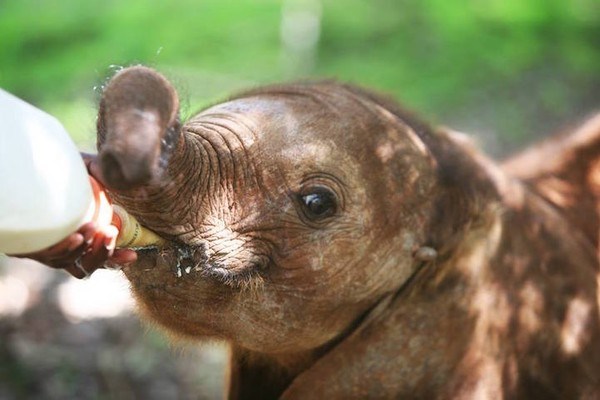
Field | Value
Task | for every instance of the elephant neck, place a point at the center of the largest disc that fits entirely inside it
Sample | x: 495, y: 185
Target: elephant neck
x: 266, y: 376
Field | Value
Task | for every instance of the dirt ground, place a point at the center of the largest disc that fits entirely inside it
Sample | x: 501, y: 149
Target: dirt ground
x: 65, y: 339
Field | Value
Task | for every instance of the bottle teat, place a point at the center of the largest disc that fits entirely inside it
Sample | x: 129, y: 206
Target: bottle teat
x: 131, y: 233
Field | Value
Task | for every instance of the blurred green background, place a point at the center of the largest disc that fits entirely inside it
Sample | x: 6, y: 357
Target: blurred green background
x: 506, y: 70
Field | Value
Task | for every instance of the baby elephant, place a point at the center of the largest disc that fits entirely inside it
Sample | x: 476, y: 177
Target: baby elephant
x: 347, y: 250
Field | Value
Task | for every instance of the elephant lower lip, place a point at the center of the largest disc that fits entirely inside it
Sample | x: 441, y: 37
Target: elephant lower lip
x: 177, y: 262
x: 180, y: 259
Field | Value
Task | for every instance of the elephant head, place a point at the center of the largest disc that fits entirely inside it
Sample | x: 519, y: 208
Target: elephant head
x: 292, y: 212
x: 272, y: 201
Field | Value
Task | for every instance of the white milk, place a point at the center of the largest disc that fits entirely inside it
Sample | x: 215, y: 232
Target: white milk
x: 45, y: 192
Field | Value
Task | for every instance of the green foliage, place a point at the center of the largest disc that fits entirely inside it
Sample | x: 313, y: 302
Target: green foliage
x: 435, y: 51
x: 496, y: 59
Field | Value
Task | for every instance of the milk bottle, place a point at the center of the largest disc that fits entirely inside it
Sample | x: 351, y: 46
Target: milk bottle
x: 45, y: 191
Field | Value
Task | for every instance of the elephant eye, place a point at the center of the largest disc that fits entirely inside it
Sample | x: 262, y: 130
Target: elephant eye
x: 318, y: 203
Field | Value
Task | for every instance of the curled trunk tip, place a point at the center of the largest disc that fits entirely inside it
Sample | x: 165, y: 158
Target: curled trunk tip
x: 138, y: 124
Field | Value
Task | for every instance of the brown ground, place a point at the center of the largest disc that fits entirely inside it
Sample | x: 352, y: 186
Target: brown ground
x: 47, y: 354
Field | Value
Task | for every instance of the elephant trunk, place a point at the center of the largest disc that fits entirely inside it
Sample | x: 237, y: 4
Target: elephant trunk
x: 142, y: 151
x: 138, y: 125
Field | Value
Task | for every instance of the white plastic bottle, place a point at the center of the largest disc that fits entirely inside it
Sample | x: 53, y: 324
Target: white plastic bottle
x: 45, y: 191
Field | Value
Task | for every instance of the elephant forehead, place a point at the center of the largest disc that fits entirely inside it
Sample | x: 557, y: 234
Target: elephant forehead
x: 318, y: 151
x: 299, y: 134
x: 288, y: 119
x: 256, y: 114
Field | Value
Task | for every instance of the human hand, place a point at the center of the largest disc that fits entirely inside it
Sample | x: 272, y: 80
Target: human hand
x: 91, y: 247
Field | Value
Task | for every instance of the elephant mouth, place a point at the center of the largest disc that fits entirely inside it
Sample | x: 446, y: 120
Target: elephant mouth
x: 180, y: 262
x: 176, y: 259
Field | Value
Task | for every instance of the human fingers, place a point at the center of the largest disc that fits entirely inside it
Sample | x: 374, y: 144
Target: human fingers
x: 123, y: 256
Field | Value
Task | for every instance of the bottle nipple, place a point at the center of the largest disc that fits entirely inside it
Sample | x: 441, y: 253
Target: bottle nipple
x: 131, y: 233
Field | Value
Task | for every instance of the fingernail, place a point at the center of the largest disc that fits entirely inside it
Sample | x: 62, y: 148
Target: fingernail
x: 89, y: 233
x: 131, y: 258
x: 78, y: 241
x: 110, y: 233
x: 124, y: 257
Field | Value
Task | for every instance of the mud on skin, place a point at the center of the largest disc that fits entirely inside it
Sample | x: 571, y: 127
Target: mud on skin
x: 345, y: 249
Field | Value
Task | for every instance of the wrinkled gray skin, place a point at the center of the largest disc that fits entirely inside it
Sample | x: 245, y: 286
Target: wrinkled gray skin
x: 423, y: 273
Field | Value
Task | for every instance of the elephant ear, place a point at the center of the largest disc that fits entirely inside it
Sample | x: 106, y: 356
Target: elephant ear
x: 138, y: 126
x: 565, y: 170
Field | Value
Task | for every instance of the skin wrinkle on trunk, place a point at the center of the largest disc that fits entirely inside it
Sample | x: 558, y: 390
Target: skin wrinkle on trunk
x: 433, y: 273
x: 155, y: 205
